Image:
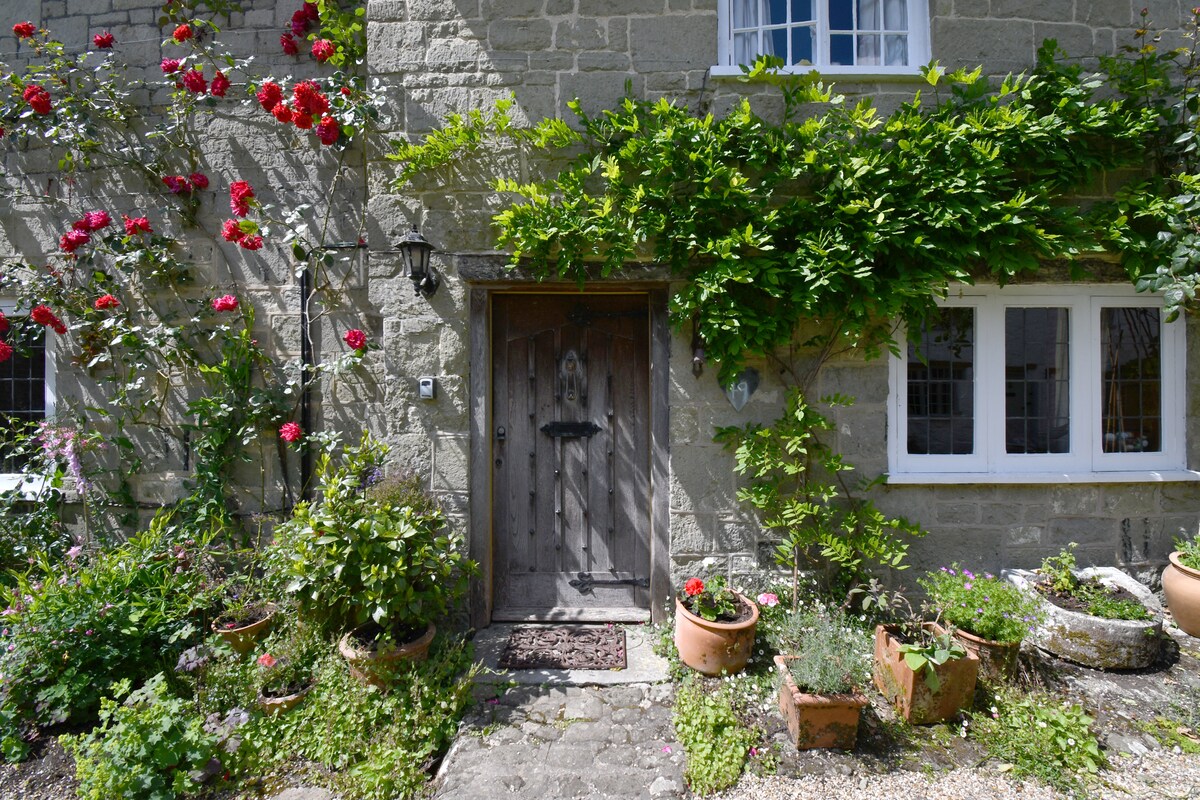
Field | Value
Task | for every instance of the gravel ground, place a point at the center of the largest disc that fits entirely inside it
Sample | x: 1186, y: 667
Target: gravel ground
x: 1155, y: 776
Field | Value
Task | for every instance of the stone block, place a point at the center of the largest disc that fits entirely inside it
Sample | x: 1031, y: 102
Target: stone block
x: 691, y: 533
x: 1121, y: 499
x: 1053, y: 10
x: 451, y: 463
x: 672, y: 43
x: 1074, y: 39
x: 525, y: 35
x: 1106, y: 13
x: 599, y: 61
x: 1001, y: 46
x: 618, y: 8
x: 1023, y: 535
x: 395, y: 46
x: 701, y: 480
x: 1074, y: 500
x: 956, y: 513
x: 580, y: 34
x: 1087, y: 532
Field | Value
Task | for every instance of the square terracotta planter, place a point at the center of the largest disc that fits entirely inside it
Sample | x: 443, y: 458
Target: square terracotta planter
x: 909, y: 693
x: 817, y: 720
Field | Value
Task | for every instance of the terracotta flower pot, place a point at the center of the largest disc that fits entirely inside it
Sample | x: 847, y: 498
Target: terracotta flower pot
x: 374, y: 667
x: 818, y: 720
x: 713, y: 648
x: 909, y: 693
x: 1182, y: 586
x: 997, y: 660
x: 277, y: 705
x: 242, y: 638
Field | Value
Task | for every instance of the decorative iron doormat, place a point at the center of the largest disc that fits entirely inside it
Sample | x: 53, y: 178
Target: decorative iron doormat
x: 564, y: 647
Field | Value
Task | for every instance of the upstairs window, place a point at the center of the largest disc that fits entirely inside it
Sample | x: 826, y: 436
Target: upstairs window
x: 1030, y: 381
x: 850, y: 36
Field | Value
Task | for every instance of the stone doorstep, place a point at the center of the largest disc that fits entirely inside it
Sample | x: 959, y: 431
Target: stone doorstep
x: 642, y: 665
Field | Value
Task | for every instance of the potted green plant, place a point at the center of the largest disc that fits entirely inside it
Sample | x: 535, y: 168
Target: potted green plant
x: 1181, y: 585
x: 362, y: 564
x: 714, y: 626
x: 285, y: 667
x: 990, y: 616
x: 820, y: 676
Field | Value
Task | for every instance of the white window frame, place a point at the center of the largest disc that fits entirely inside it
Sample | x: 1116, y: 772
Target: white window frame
x: 1086, y: 462
x: 31, y: 483
x: 919, y: 53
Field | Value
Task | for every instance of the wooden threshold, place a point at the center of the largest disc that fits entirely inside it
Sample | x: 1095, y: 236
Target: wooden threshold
x: 518, y: 614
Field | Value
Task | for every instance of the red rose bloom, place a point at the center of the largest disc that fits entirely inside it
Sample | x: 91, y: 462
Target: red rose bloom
x: 299, y: 22
x: 199, y: 180
x: 225, y: 303
x: 38, y: 98
x: 328, y: 131
x: 355, y: 339
x: 308, y: 98
x: 45, y: 317
x: 5, y: 352
x: 103, y: 41
x: 177, y: 184
x: 3, y: 322
x: 302, y: 121
x: 135, y: 225
x: 693, y: 587
x: 105, y: 301
x: 269, y: 95
x: 345, y: 90
x: 220, y: 84
x: 288, y: 43
x: 182, y: 34
x: 95, y: 220
x: 23, y: 30
x: 290, y: 432
x: 194, y: 80
x: 169, y: 65
x: 231, y: 231
x: 323, y: 50
x: 252, y: 242
x: 282, y: 113
x: 72, y: 240
x: 240, y: 195
x: 311, y: 12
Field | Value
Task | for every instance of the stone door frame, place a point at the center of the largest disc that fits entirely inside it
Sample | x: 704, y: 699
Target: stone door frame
x: 481, y: 458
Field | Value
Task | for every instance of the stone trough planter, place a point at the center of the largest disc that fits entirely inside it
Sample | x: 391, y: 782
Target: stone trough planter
x: 1094, y: 641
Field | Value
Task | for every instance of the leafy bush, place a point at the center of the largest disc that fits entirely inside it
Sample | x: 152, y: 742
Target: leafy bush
x: 350, y: 558
x: 983, y: 604
x: 1189, y: 551
x: 834, y: 657
x: 1041, y: 737
x: 73, y: 629
x: 154, y: 746
x: 715, y: 741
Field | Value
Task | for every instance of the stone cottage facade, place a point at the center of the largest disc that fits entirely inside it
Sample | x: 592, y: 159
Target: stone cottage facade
x: 567, y: 430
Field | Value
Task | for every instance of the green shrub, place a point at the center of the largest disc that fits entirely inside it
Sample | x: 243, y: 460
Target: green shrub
x: 1189, y: 551
x: 714, y: 739
x: 983, y: 604
x: 72, y: 629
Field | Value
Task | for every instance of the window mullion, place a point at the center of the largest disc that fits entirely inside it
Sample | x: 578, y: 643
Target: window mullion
x: 989, y: 383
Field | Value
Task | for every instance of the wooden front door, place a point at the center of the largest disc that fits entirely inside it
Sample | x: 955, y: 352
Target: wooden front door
x: 571, y: 456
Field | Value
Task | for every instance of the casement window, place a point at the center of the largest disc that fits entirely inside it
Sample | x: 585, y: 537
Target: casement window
x: 1040, y: 383
x: 869, y: 37
x: 26, y: 396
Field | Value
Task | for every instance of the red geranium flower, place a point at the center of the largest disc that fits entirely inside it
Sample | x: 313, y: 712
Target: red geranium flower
x: 240, y: 195
x: 182, y: 34
x: 199, y: 180
x: 72, y: 240
x: 103, y: 41
x: 177, y: 184
x: 693, y: 587
x: 231, y: 231
x: 220, y: 84
x: 95, y: 220
x: 194, y: 80
x: 23, y: 30
x: 252, y: 242
x: 290, y: 432
x: 5, y: 352
x: 267, y: 660
x: 225, y: 302
x: 282, y: 113
x: 323, y: 50
x: 269, y: 95
x: 328, y: 131
x: 134, y: 225
x: 105, y: 301
x: 38, y: 98
x: 169, y: 65
x: 288, y: 43
x: 356, y: 339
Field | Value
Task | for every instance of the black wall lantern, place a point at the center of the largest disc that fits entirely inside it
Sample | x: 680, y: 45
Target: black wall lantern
x: 414, y: 250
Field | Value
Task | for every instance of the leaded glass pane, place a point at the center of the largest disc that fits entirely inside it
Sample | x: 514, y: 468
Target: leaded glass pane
x: 868, y: 15
x: 868, y: 50
x: 1131, y: 379
x: 941, y: 384
x: 777, y: 12
x: 802, y: 45
x: 776, y: 40
x: 841, y: 49
x: 745, y: 48
x: 895, y: 15
x: 1037, y: 390
x: 745, y: 14
x: 895, y: 50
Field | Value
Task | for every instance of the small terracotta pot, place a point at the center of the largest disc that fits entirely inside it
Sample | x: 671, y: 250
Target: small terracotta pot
x: 713, y: 648
x: 818, y: 720
x: 376, y: 667
x: 277, y: 705
x: 1182, y: 587
x: 243, y: 639
x: 997, y: 660
x: 909, y: 693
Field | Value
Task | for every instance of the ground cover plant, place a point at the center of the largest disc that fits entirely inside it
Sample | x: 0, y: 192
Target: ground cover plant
x: 1061, y: 584
x: 981, y: 604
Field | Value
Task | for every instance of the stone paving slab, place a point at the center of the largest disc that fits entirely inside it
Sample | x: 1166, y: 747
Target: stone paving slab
x: 563, y: 742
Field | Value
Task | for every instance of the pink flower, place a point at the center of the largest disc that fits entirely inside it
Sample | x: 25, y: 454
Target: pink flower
x: 290, y: 432
x: 288, y: 43
x: 231, y: 231
x: 225, y: 302
x: 72, y: 240
x: 267, y: 660
x: 693, y: 587
x: 768, y: 599
x: 355, y: 339
x: 251, y: 242
x: 23, y: 30
x: 328, y: 130
x: 323, y: 50
x: 169, y: 65
x: 103, y: 41
x: 240, y: 195
x: 199, y: 180
x: 95, y: 220
x: 135, y: 225
x: 74, y: 552
x: 182, y: 34
x: 106, y: 301
x: 220, y: 84
x: 194, y: 81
